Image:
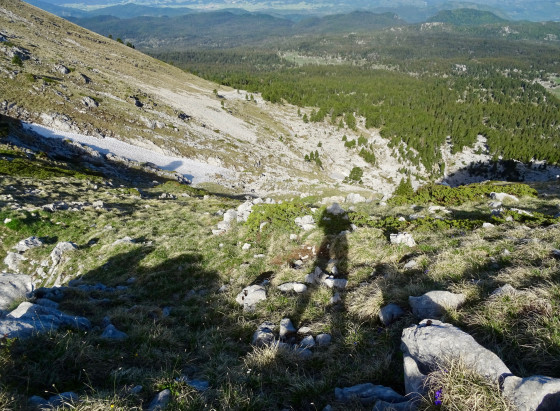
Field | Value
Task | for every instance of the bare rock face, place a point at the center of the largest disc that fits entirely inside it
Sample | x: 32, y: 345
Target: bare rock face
x: 434, y: 303
x: 28, y: 243
x: 431, y: 343
x: 13, y: 287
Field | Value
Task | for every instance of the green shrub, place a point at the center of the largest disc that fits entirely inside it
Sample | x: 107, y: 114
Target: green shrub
x: 17, y: 61
x: 278, y: 216
x: 356, y: 175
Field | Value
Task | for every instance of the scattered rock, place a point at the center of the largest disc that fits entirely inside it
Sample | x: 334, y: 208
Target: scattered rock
x: 506, y: 289
x: 199, y: 385
x: 111, y: 333
x: 63, y: 399
x: 487, y: 225
x: 306, y: 223
x: 264, y: 335
x: 13, y: 260
x: 307, y: 342
x: 61, y: 68
x: 29, y: 318
x: 61, y: 249
x: 287, y: 329
x: 28, y: 243
x: 293, y: 286
x: 354, y: 198
x: 323, y: 340
x: 368, y: 394
x: 402, y: 238
x: 246, y: 246
x: 293, y: 237
x: 304, y: 331
x: 335, y: 209
x: 555, y: 253
x: 411, y: 265
x: 89, y: 102
x: 434, y: 303
x: 503, y: 197
x: 533, y: 393
x: 335, y: 299
x: 160, y: 401
x: 332, y: 282
x: 390, y: 313
x: 124, y: 240
x: 250, y: 296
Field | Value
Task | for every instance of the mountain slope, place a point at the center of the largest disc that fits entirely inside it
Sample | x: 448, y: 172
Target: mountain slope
x: 69, y: 78
x: 466, y: 17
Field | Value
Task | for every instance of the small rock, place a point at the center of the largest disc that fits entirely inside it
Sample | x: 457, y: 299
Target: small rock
x: 246, y: 246
x: 264, y: 335
x: 13, y: 260
x: 111, y: 333
x: 307, y: 342
x: 61, y: 249
x: 411, y: 265
x: 506, y: 289
x: 402, y: 238
x: 555, y: 253
x: 503, y: 197
x: 38, y: 403
x: 63, y: 399
x: 306, y: 222
x: 250, y: 296
x: 27, y: 244
x: 98, y: 204
x: 434, y: 303
x: 390, y: 313
x: 487, y: 225
x: 335, y: 299
x: 354, y: 198
x: 368, y: 393
x: 61, y: 68
x: 339, y: 283
x: 293, y: 286
x: 160, y: 401
x: 137, y: 389
x: 199, y: 385
x: 335, y: 209
x: 7, y: 220
x: 286, y: 328
x: 304, y: 331
x: 323, y: 340
x: 89, y: 102
x: 124, y: 240
x: 293, y: 237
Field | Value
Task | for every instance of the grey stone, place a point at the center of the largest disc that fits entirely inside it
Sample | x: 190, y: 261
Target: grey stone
x: 303, y: 353
x: 264, y: 335
x: 487, y: 225
x: 13, y: 287
x: 244, y: 210
x: 503, y: 197
x: 431, y: 345
x: 13, y: 260
x: 28, y: 243
x: 111, y: 333
x: 368, y: 394
x: 434, y: 303
x: 306, y: 222
x: 307, y: 342
x: 287, y: 328
x: 339, y: 283
x: 323, y: 340
x: 354, y: 198
x: 38, y: 403
x: 414, y: 380
x: 495, y: 204
x: 304, y: 331
x: 315, y: 276
x: 61, y: 68
x: 61, y: 249
x: 411, y: 265
x: 89, y: 102
x: 45, y: 302
x: 63, y: 399
x: 335, y: 299
x: 124, y: 240
x: 505, y: 289
x: 533, y: 393
x: 390, y: 313
x: 293, y: 286
x: 410, y: 405
x: 137, y: 389
x: 402, y: 238
x: 335, y: 209
x: 555, y: 253
x: 160, y: 401
x: 199, y: 385
x: 293, y: 237
x: 250, y: 296
x: 246, y: 246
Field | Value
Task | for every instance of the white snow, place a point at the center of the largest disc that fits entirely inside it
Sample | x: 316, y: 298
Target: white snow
x: 197, y: 171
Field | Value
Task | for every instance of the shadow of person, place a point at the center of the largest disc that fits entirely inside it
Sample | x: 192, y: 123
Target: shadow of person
x: 330, y: 269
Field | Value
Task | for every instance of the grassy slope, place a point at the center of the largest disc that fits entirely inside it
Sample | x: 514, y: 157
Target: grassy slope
x: 177, y: 263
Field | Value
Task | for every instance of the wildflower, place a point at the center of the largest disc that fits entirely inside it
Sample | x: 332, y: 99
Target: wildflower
x: 438, y: 398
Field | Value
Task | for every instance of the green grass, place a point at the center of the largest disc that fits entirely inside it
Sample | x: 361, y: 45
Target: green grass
x: 177, y: 263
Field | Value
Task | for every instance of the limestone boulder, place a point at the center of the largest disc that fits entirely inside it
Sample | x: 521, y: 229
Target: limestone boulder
x: 250, y: 296
x: 533, y: 393
x: 13, y: 287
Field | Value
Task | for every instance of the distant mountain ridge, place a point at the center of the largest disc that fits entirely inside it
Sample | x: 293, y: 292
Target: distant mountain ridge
x: 466, y: 17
